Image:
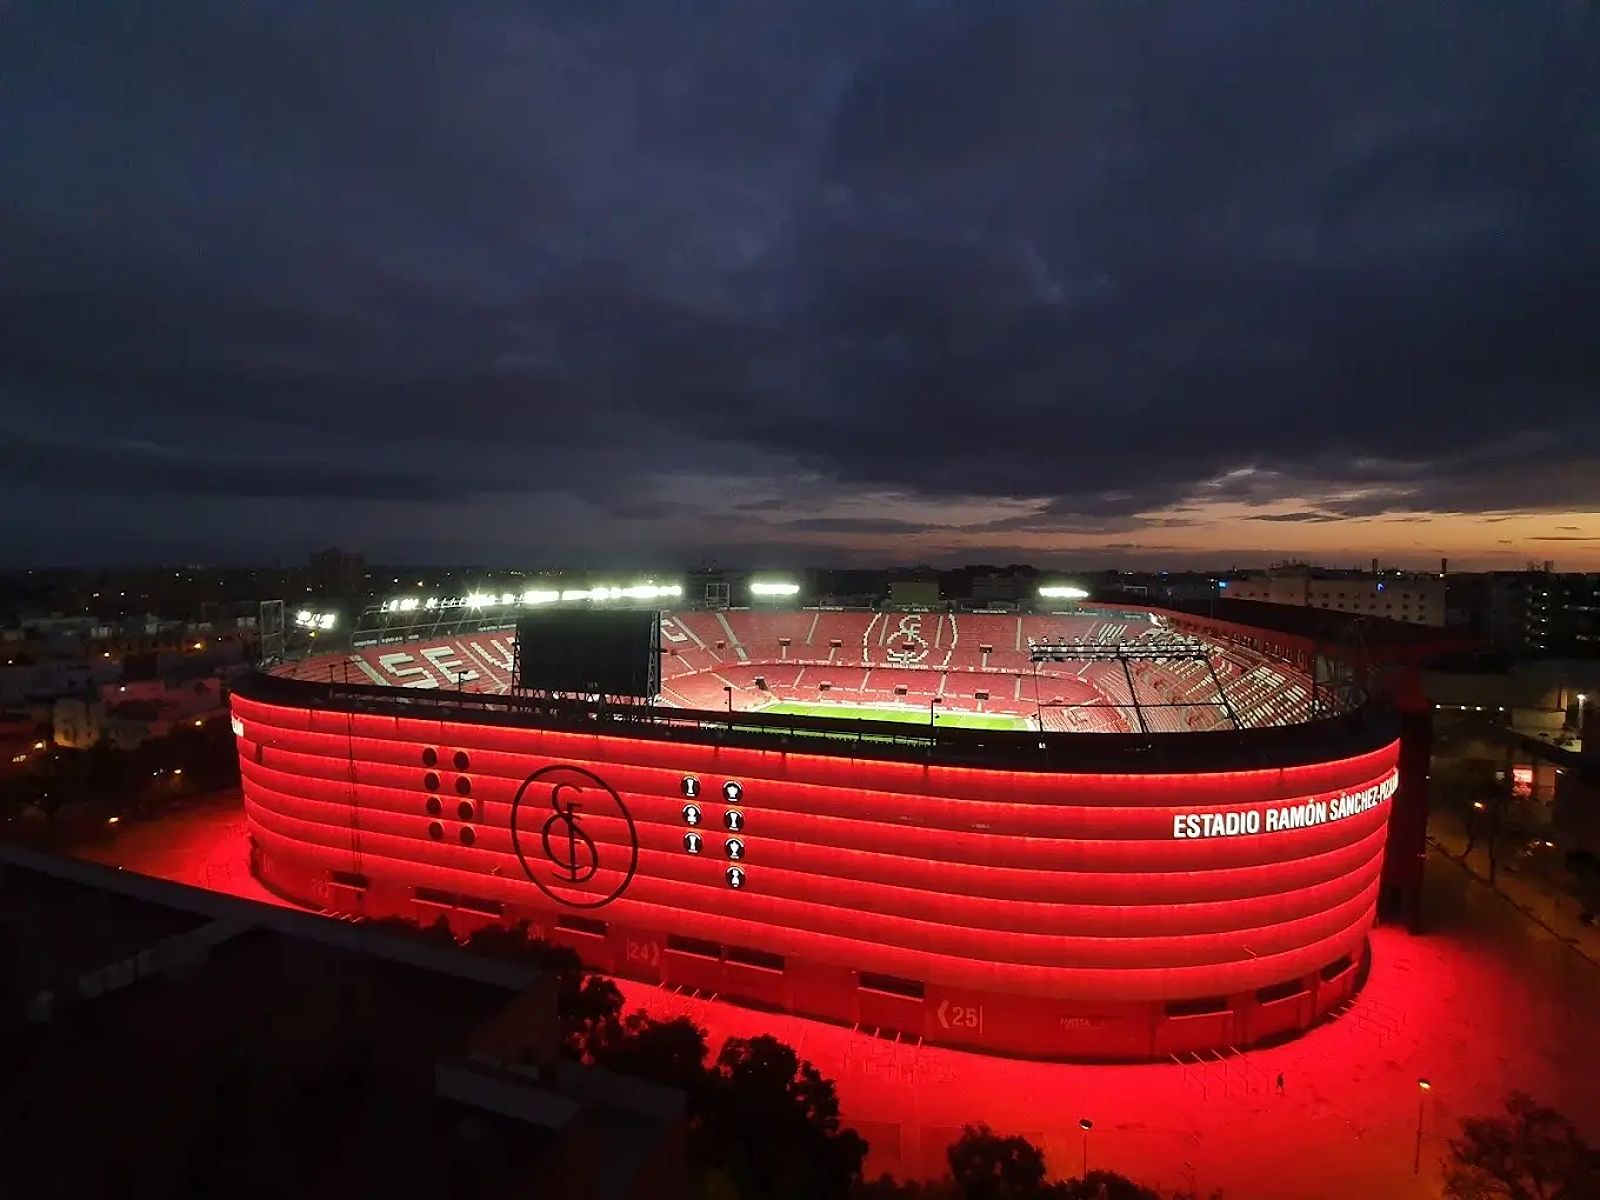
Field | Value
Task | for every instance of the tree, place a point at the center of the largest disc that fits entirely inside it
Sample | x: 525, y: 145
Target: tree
x: 1107, y: 1185
x: 672, y: 1053
x: 1584, y: 867
x: 438, y: 932
x: 106, y: 770
x: 886, y: 1187
x: 1531, y: 1153
x: 587, y: 1005
x: 1466, y: 787
x: 773, y: 1121
x: 987, y: 1166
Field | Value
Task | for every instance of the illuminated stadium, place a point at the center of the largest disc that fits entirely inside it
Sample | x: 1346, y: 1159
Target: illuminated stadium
x: 1094, y: 833
x: 1107, y: 672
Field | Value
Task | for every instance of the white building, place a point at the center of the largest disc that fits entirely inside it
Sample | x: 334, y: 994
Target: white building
x: 1417, y: 599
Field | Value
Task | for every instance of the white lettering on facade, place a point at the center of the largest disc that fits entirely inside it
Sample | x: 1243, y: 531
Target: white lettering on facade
x: 1305, y: 815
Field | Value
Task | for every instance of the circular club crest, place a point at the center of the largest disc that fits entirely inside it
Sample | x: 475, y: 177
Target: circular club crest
x: 553, y: 818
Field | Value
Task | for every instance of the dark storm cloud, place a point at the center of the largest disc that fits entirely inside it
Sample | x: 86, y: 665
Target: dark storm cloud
x: 132, y: 469
x: 1108, y: 258
x: 851, y: 525
x: 1295, y: 517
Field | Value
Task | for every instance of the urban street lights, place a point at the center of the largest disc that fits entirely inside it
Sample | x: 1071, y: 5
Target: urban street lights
x: 1423, y: 1087
x: 1085, y: 1124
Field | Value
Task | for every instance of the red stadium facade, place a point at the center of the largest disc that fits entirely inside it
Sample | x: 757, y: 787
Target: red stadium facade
x: 1076, y: 895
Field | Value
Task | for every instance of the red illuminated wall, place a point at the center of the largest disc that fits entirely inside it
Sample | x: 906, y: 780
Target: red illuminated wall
x: 1043, y: 914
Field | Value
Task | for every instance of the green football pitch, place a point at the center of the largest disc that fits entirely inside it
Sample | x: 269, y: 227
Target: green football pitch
x: 905, y: 716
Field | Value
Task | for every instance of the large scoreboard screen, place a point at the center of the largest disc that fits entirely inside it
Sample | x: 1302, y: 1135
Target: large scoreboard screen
x: 589, y: 651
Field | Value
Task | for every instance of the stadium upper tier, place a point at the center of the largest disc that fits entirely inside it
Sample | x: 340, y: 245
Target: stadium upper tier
x: 956, y: 663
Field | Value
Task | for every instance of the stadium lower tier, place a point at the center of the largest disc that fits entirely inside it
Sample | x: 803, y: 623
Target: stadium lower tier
x: 1039, y: 914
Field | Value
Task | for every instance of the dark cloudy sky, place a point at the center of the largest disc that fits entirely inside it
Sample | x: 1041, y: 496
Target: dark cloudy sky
x: 632, y: 282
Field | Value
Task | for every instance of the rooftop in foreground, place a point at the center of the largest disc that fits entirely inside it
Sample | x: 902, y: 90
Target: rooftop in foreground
x: 313, y: 1057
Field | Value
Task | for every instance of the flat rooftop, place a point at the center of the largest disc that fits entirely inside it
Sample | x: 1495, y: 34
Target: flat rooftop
x: 207, y: 1044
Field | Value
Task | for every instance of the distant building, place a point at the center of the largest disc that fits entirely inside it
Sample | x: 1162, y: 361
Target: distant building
x: 1159, y: 587
x: 1545, y: 699
x: 22, y: 680
x: 1536, y: 612
x: 1416, y: 599
x: 129, y: 714
x: 337, y: 573
x: 22, y: 743
x: 1577, y: 787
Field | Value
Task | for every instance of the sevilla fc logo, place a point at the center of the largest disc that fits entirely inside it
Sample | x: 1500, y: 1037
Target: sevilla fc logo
x: 574, y: 836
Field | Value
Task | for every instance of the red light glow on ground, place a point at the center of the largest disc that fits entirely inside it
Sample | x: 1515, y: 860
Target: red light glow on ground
x: 1484, y: 1002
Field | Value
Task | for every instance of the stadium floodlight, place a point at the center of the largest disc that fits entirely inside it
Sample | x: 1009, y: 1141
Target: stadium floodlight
x: 479, y: 599
x: 507, y: 598
x: 773, y: 587
x: 431, y: 602
x: 651, y: 591
x: 302, y: 618
x: 638, y: 591
x: 1062, y: 592
x: 539, y: 596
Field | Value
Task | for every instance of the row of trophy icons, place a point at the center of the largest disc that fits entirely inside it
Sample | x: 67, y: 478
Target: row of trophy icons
x: 732, y: 821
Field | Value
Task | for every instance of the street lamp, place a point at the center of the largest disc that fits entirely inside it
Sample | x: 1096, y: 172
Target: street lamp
x: 1085, y: 1124
x: 1423, y: 1087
